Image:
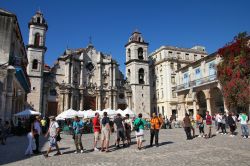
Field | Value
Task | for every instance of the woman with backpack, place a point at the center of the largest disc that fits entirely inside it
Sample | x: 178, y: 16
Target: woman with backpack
x: 139, y: 124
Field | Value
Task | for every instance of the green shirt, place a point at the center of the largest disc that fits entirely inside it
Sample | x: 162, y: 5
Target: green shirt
x: 142, y: 123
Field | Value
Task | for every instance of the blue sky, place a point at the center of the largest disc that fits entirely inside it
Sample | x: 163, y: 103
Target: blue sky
x: 181, y: 23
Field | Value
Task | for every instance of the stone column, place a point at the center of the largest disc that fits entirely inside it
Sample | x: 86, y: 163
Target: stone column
x: 72, y: 100
x: 114, y: 101
x: 114, y: 77
x: 99, y: 106
x: 82, y: 73
x: 110, y: 100
x: 225, y: 106
x: 195, y: 108
x: 9, y: 95
x: 209, y: 105
x: 82, y: 101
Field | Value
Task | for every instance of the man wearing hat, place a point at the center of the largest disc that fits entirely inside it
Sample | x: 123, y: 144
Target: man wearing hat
x: 53, y: 131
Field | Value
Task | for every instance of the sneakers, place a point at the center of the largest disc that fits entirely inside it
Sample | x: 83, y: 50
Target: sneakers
x: 81, y: 151
x: 245, y: 137
x: 199, y: 136
x: 76, y: 152
x: 96, y: 149
x: 232, y: 135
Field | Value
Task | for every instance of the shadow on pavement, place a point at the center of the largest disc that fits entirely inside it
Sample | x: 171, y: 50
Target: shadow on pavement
x: 160, y: 144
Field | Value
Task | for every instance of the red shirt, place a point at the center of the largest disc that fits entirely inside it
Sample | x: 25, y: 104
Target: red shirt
x: 96, y: 125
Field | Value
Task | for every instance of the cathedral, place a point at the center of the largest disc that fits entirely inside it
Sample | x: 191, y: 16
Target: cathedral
x: 86, y: 78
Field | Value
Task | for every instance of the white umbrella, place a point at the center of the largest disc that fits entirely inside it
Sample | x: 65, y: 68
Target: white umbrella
x: 80, y: 113
x: 27, y: 112
x: 70, y: 113
x: 119, y: 111
x: 130, y: 112
x: 110, y: 112
x: 89, y: 113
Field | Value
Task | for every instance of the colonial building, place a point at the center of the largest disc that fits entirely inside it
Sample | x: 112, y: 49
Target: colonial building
x: 35, y: 51
x: 165, y: 62
x: 198, y: 89
x: 14, y: 83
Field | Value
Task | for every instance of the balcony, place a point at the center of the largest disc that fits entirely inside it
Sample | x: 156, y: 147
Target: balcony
x: 196, y: 83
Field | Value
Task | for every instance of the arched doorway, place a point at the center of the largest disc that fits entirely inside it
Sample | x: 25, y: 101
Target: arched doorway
x: 201, y: 101
x: 217, y: 102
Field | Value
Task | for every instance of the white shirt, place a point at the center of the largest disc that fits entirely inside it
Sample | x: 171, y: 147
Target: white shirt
x: 219, y: 118
x: 37, y: 127
x: 52, y: 129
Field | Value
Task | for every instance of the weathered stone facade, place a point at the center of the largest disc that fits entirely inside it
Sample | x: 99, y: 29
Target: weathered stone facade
x: 14, y: 83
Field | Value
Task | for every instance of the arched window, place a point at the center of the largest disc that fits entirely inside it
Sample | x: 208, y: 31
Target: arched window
x: 35, y: 64
x: 140, y: 53
x: 141, y: 76
x: 129, y: 75
x: 38, y: 20
x: 129, y: 54
x: 37, y: 40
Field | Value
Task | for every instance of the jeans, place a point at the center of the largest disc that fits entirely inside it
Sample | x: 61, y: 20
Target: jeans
x: 154, y: 133
x: 244, y: 129
x: 36, y: 136
x: 78, y: 141
x: 188, y: 132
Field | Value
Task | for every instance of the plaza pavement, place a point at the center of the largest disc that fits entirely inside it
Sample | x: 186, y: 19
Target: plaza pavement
x: 174, y: 150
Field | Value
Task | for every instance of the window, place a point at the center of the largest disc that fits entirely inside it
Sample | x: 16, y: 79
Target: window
x: 161, y: 80
x: 173, y: 80
x: 172, y: 65
x: 141, y: 76
x: 173, y: 94
x: 129, y: 54
x: 202, y: 56
x: 140, y: 53
x: 52, y: 92
x: 38, y: 20
x: 35, y: 64
x: 162, y: 94
x: 34, y: 88
x: 160, y: 56
x: 37, y: 40
x: 162, y: 109
x: 187, y: 56
x: 195, y: 57
x: 128, y: 75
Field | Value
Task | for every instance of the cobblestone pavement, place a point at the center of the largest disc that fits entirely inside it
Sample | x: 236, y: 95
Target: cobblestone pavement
x: 174, y: 149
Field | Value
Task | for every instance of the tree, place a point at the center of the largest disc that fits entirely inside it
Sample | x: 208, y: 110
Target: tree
x: 233, y: 71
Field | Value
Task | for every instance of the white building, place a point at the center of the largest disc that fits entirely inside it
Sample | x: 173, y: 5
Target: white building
x: 165, y: 62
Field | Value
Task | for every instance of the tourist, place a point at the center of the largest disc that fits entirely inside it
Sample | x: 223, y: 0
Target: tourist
x: 192, y: 125
x: 156, y: 124
x: 1, y: 132
x: 36, y: 131
x: 139, y: 124
x: 243, y: 118
x: 53, y: 132
x: 29, y: 150
x: 219, y: 119
x: 43, y: 124
x: 106, y: 131
x: 209, y: 121
x: 97, y: 130
x: 223, y: 124
x: 6, y: 131
x: 78, y: 130
x: 119, y: 128
x: 231, y: 123
x: 187, y: 126
x: 198, y: 116
x: 128, y: 128
x: 201, y: 126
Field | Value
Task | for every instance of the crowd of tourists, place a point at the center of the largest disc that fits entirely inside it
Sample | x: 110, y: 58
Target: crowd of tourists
x: 123, y: 127
x: 221, y: 122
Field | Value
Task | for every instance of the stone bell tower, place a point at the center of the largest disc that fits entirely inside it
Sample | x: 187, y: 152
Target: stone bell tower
x: 35, y: 51
x: 137, y: 72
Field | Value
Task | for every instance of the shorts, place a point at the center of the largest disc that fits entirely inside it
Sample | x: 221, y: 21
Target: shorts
x: 120, y: 134
x: 52, y: 141
x: 105, y: 134
x: 139, y: 135
x: 96, y: 136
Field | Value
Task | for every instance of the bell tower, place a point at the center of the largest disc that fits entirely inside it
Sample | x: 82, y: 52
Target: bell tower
x: 137, y: 72
x: 35, y: 51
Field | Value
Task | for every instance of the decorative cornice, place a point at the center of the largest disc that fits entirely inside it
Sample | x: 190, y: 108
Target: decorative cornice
x: 136, y: 60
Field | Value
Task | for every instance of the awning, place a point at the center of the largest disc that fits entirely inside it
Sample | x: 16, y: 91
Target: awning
x: 22, y: 79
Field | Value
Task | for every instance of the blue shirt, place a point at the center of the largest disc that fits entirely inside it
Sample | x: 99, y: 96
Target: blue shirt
x: 77, y: 126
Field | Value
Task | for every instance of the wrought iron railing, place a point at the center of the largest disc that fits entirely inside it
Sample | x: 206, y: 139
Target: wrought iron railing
x: 195, y: 83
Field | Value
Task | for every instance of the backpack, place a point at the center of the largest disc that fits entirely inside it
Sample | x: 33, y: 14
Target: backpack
x: 136, y: 127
